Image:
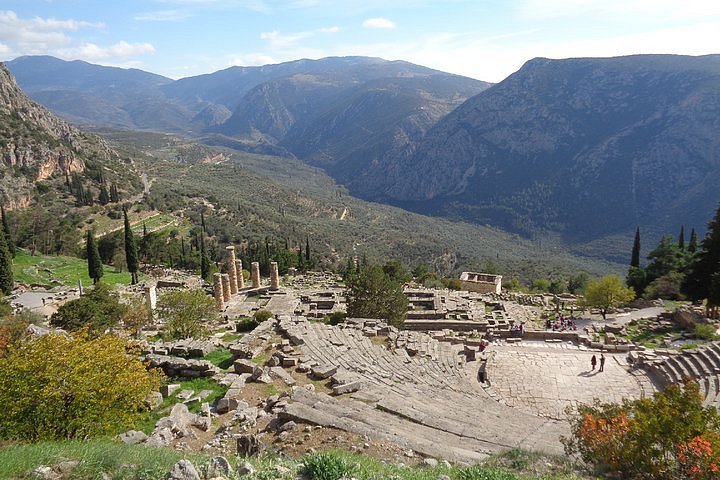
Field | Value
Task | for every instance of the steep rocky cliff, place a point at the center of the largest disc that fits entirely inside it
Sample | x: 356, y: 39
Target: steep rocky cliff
x: 586, y: 147
x: 36, y: 146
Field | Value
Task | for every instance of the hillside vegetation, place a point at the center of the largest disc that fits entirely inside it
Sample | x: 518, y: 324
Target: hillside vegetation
x: 247, y: 197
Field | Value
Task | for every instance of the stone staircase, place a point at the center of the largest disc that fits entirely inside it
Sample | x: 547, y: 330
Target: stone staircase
x: 701, y: 365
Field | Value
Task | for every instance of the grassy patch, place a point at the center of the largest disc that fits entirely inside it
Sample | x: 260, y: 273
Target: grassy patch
x: 147, y: 423
x: 220, y: 357
x: 231, y: 337
x: 60, y: 270
x: 95, y: 457
x: 106, y: 458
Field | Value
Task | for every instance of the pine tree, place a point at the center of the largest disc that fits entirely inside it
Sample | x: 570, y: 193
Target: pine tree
x: 692, y: 245
x: 8, y: 235
x: 635, y: 258
x: 681, y: 238
x: 6, y: 271
x: 131, y: 252
x: 95, y: 268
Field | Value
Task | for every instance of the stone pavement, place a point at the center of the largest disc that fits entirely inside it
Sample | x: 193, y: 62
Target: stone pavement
x: 545, y: 379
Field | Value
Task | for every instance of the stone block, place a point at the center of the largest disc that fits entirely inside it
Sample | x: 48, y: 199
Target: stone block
x: 132, y: 437
x: 324, y: 371
x: 226, y: 405
x: 289, y: 361
x: 167, y: 390
x: 185, y: 394
x: 346, y: 388
x: 244, y: 366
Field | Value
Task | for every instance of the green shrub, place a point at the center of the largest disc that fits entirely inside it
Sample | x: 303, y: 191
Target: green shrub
x: 262, y: 315
x: 58, y: 387
x: 327, y: 466
x: 99, y: 310
x: 245, y: 324
x: 668, y: 436
x: 705, y: 331
x: 335, y: 318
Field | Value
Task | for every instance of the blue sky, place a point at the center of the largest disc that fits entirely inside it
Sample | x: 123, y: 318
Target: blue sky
x: 482, y: 39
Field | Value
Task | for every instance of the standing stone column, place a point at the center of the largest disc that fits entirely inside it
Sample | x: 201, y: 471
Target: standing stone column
x: 239, y: 272
x: 225, y: 286
x: 255, y: 274
x: 231, y: 268
x: 274, y: 276
x: 150, y: 297
x: 218, y: 291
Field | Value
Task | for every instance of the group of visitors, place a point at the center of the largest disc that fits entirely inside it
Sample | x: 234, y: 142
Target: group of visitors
x: 517, y: 330
x: 561, y: 324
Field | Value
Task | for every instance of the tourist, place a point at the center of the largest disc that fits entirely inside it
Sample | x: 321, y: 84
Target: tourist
x: 602, y: 362
x: 593, y: 362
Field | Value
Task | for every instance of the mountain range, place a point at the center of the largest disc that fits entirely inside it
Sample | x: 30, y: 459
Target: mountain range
x: 585, y: 149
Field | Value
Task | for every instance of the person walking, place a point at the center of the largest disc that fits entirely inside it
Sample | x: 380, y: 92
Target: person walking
x: 602, y: 362
x: 593, y: 362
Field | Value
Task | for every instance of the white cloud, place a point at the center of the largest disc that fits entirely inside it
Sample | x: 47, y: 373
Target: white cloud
x: 333, y: 29
x: 36, y: 35
x: 278, y: 40
x: 251, y: 60
x: 114, y: 53
x: 378, y: 23
x: 641, y: 10
x: 163, y: 16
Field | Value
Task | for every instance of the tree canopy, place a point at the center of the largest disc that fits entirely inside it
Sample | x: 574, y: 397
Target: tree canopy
x: 607, y: 293
x: 185, y: 311
x: 59, y: 386
x: 98, y: 310
x: 374, y: 294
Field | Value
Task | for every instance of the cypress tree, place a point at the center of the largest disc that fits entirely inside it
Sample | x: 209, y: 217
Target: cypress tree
x: 307, y: 249
x: 692, y: 245
x: 8, y: 235
x: 95, y: 269
x: 204, y: 260
x: 6, y: 272
x: 681, y: 238
x: 144, y: 230
x: 635, y: 258
x: 202, y: 221
x: 104, y: 196
x: 131, y: 252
